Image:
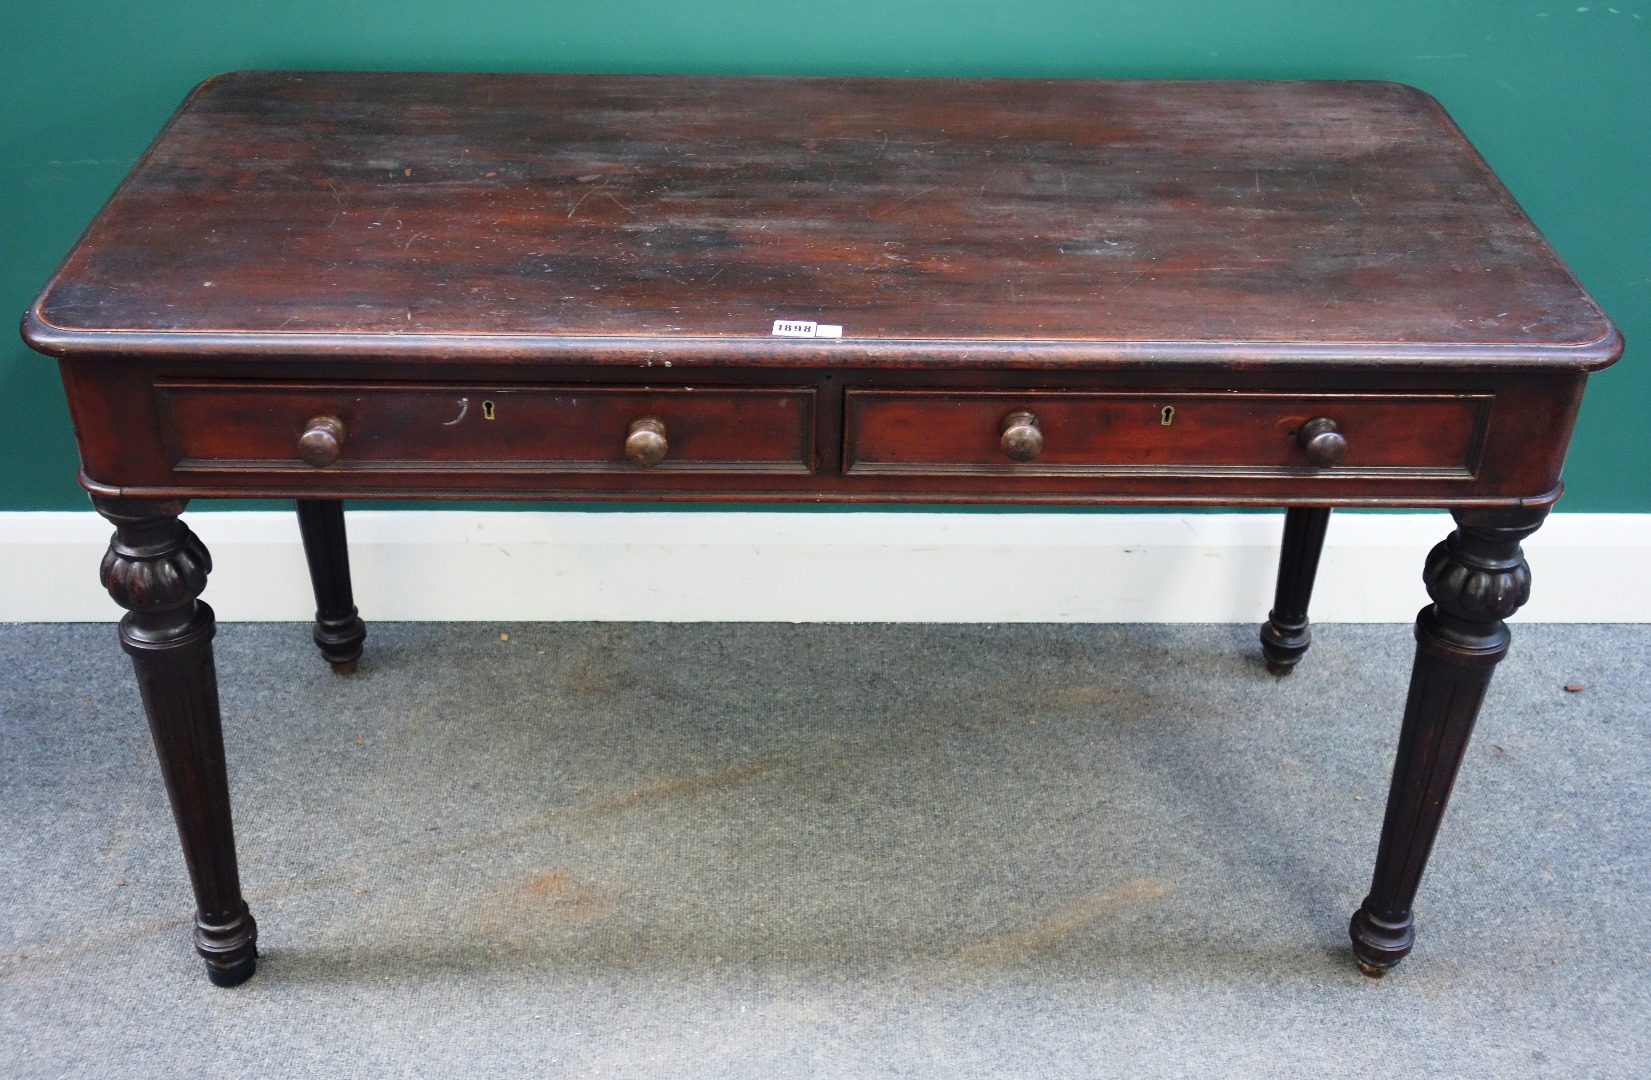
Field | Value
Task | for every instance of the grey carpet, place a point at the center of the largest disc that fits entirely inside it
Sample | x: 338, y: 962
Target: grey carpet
x: 859, y: 851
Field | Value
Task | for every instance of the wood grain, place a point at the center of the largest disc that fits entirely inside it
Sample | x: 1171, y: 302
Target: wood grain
x: 634, y: 219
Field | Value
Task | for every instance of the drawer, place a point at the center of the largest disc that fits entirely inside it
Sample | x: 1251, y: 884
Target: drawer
x: 231, y: 426
x: 1207, y: 433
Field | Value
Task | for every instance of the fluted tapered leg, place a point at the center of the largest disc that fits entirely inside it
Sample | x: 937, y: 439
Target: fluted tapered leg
x: 1285, y: 635
x: 339, y: 630
x: 156, y: 569
x: 1477, y: 577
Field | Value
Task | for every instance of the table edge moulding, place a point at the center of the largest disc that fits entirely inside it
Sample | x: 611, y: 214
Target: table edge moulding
x: 327, y: 285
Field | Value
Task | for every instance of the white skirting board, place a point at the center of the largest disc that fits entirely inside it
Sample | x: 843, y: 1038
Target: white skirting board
x: 859, y: 566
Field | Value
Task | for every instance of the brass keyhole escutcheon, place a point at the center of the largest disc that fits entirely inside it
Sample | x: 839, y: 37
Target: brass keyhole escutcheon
x: 1167, y: 416
x: 487, y: 411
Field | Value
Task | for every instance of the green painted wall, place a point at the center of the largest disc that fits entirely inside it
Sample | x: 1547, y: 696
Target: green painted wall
x: 1556, y: 95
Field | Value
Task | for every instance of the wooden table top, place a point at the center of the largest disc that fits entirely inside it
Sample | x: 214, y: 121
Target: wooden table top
x: 639, y: 218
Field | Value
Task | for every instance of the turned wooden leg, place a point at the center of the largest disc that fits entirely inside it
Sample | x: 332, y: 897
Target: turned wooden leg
x: 156, y: 568
x: 1476, y: 578
x: 339, y: 630
x: 1285, y: 635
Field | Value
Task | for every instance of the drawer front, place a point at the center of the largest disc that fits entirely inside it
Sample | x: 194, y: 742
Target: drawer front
x: 1239, y: 433
x: 220, y: 426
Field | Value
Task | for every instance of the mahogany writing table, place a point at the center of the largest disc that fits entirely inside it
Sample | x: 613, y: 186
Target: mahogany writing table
x: 326, y: 285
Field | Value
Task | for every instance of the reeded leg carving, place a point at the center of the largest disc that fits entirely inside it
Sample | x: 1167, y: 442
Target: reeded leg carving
x: 156, y: 568
x: 1285, y: 635
x: 339, y: 630
x: 1476, y: 578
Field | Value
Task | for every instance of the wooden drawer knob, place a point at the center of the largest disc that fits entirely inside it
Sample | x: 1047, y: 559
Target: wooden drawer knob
x: 1321, y: 439
x: 322, y: 441
x: 646, y: 443
x: 1021, y: 438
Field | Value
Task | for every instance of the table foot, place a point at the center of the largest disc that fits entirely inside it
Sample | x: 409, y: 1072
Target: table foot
x: 340, y: 641
x: 1286, y: 633
x: 1281, y: 668
x: 230, y: 950
x: 1476, y: 578
x: 233, y: 976
x: 1378, y: 946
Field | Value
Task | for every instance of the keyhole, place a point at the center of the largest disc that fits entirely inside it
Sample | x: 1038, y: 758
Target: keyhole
x: 487, y: 411
x: 1166, y: 418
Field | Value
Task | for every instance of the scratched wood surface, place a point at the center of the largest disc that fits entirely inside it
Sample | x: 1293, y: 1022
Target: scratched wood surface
x: 427, y: 216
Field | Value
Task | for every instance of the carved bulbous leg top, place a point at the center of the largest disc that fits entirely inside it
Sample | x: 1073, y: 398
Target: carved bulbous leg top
x: 1477, y: 576
x: 155, y: 568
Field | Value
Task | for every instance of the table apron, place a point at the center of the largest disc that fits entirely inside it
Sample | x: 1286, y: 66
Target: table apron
x: 1218, y: 437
